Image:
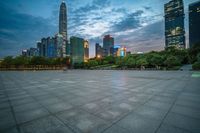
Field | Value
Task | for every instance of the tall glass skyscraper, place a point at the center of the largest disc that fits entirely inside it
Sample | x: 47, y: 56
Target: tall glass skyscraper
x: 108, y: 45
x: 194, y: 23
x: 77, y: 50
x: 63, y: 29
x: 63, y: 20
x: 174, y: 24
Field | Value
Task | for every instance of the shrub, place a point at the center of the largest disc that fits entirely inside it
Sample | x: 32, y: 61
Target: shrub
x: 196, y: 66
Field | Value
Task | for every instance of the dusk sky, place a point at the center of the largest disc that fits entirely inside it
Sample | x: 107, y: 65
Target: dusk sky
x: 136, y: 24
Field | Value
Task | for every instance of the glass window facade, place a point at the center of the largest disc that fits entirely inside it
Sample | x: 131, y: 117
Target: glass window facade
x: 77, y: 50
x: 108, y: 45
x: 174, y: 24
x: 194, y: 23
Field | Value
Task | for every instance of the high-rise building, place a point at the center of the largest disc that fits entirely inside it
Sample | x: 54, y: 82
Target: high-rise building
x: 119, y: 51
x: 194, y: 23
x: 44, y: 47
x: 25, y: 52
x: 63, y: 20
x: 174, y: 24
x: 77, y: 50
x: 63, y: 29
x: 86, y: 50
x: 108, y: 45
x: 98, y: 51
x: 33, y: 52
x: 60, y: 45
x: 30, y: 52
x: 39, y: 47
x: 51, y: 47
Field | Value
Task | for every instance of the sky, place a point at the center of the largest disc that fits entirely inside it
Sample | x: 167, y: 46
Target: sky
x: 136, y: 24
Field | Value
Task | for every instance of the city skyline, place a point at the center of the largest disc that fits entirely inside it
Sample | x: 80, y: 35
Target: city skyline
x: 134, y: 28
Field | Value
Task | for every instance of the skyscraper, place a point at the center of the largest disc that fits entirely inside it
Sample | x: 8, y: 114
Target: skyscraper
x: 63, y: 20
x: 86, y: 50
x: 77, y: 50
x: 108, y: 45
x: 194, y: 23
x: 174, y: 24
x: 99, y: 51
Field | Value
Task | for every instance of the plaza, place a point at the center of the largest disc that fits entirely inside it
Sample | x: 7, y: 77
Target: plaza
x: 100, y: 101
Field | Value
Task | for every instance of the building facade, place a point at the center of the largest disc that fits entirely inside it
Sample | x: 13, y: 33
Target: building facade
x: 60, y: 46
x: 63, y: 20
x: 194, y: 23
x: 39, y: 47
x: 108, y: 45
x: 98, y: 51
x: 77, y: 50
x: 51, y: 47
x: 33, y: 52
x: 174, y: 24
x: 119, y: 51
x: 86, y: 50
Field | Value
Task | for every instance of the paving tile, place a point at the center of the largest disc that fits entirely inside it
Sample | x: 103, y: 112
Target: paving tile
x: 26, y: 107
x: 139, y: 124
x: 29, y: 115
x: 54, y: 108
x: 151, y: 112
x: 183, y: 122
x: 159, y: 104
x: 91, y: 101
x: 45, y: 125
x: 165, y: 128
x: 82, y: 121
x: 116, y: 129
x: 7, y: 122
x: 187, y: 111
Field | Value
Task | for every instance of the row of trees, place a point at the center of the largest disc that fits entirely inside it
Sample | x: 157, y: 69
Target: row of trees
x: 24, y: 61
x: 170, y: 58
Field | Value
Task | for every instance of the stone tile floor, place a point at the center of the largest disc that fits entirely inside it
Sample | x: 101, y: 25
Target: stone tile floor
x: 100, y: 102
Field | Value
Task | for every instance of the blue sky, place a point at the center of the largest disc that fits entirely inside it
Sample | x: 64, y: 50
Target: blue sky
x: 136, y: 24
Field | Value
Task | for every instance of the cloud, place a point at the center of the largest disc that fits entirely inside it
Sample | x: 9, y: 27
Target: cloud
x: 18, y: 30
x: 147, y: 38
x: 131, y: 21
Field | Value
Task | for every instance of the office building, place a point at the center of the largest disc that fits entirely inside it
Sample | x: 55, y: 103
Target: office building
x: 119, y: 51
x: 51, y: 47
x: 39, y: 47
x: 43, y: 47
x: 194, y: 23
x: 108, y: 45
x: 86, y: 50
x: 25, y: 52
x: 63, y: 20
x: 98, y: 51
x: 33, y: 52
x: 77, y: 50
x: 60, y: 46
x: 174, y: 24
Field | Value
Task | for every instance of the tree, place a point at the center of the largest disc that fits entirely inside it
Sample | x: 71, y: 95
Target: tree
x: 193, y: 52
x: 156, y: 60
x: 119, y: 61
x: 131, y: 62
x: 196, y: 65
x: 142, y: 62
x: 7, y: 61
x: 172, y: 61
x: 37, y: 60
x: 21, y: 60
x: 110, y: 59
